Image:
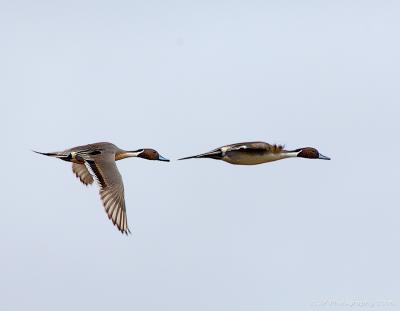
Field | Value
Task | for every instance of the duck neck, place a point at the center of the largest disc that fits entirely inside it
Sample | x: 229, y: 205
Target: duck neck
x: 122, y: 154
x: 290, y: 153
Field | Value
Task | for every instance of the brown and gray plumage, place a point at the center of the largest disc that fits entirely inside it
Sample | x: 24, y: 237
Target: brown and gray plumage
x: 257, y: 152
x: 97, y: 162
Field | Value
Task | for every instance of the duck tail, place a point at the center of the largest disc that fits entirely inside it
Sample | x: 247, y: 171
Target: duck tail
x: 59, y: 155
x: 49, y: 154
x: 215, y: 154
x: 191, y: 157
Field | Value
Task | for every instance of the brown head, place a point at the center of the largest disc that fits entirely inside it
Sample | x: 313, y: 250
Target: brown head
x: 310, y: 153
x: 150, y: 154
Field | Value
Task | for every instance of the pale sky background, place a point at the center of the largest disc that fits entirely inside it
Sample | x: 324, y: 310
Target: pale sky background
x: 184, y: 77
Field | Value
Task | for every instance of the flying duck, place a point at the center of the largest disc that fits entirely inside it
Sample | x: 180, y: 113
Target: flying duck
x: 258, y: 152
x: 97, y: 162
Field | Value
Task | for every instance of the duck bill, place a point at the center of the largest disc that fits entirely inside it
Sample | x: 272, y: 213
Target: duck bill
x: 322, y: 157
x: 161, y: 158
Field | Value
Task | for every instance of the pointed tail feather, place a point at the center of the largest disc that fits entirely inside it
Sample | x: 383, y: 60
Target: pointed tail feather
x: 49, y: 154
x: 216, y: 154
x: 63, y: 156
x: 192, y: 157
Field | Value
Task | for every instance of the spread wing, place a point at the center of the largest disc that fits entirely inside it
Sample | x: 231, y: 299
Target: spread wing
x: 82, y: 173
x: 105, y: 171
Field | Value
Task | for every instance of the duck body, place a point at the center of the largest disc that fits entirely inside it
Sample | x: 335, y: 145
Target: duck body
x: 80, y: 153
x: 253, y: 153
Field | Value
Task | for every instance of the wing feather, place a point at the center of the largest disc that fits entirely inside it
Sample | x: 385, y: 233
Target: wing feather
x: 105, y: 172
x: 82, y: 173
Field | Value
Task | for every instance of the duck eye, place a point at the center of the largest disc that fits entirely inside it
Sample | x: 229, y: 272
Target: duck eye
x: 95, y: 152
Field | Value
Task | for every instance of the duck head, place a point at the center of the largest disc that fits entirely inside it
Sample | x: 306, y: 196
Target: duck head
x: 310, y: 153
x: 150, y: 154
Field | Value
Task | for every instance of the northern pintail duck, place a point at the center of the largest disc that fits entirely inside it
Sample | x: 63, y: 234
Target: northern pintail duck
x: 252, y: 153
x: 97, y: 161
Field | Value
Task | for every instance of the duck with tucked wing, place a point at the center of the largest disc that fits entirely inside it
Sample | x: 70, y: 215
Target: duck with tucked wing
x: 252, y: 153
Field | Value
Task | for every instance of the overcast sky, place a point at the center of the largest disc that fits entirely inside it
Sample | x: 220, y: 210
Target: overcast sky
x: 185, y: 77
